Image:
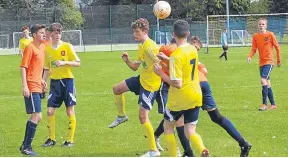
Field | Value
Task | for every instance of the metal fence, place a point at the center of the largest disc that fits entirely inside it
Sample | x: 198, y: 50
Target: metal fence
x: 105, y: 28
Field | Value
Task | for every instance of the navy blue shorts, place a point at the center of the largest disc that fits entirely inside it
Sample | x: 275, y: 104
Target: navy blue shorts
x: 146, y: 98
x: 33, y: 103
x: 162, y: 96
x: 62, y: 90
x: 208, y: 101
x: 190, y: 115
x: 265, y: 71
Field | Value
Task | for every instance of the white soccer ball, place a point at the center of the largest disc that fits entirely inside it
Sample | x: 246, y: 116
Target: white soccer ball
x: 162, y: 9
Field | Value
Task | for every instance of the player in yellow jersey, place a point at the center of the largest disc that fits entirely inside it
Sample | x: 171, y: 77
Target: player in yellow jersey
x: 184, y: 96
x: 59, y: 59
x: 25, y: 40
x: 145, y: 85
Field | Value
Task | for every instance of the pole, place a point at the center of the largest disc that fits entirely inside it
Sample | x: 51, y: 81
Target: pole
x: 110, y: 23
x: 158, y: 27
x: 228, y: 19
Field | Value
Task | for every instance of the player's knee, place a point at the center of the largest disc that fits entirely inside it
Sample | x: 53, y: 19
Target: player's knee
x: 143, y: 118
x: 215, y: 116
x: 116, y: 90
x: 189, y: 129
x: 264, y: 81
x: 70, y: 110
x: 36, y: 117
x: 50, y: 111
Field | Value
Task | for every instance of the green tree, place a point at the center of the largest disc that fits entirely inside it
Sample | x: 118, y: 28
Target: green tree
x: 259, y: 7
x: 278, y: 6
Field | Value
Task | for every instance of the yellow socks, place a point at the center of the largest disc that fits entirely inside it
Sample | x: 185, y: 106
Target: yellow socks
x: 171, y: 145
x: 149, y: 132
x: 71, y: 128
x: 197, y: 142
x: 120, y: 103
x: 51, y: 127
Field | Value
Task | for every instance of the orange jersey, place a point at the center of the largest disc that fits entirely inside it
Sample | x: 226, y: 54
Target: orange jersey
x: 265, y: 43
x: 33, y: 61
x: 167, y: 50
x: 202, y: 72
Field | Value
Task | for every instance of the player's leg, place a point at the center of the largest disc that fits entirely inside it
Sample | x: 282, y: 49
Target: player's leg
x: 183, y: 139
x: 226, y: 51
x: 169, y: 124
x: 55, y: 100
x: 33, y: 107
x: 43, y: 94
x: 264, y: 73
x: 146, y: 100
x: 131, y: 84
x: 270, y: 94
x: 191, y: 120
x: 70, y: 102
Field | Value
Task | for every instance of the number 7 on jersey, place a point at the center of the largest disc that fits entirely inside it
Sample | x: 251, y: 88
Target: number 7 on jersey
x: 192, y: 62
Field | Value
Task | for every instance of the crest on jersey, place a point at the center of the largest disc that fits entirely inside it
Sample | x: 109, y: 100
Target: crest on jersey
x: 265, y: 39
x: 63, y: 53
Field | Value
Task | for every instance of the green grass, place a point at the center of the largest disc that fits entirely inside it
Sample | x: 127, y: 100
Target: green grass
x: 236, y: 88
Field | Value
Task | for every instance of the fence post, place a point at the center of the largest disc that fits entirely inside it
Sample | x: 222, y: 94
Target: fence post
x: 137, y: 12
x: 110, y: 24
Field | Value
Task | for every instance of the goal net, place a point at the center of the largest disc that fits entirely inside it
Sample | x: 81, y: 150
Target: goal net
x: 4, y: 41
x: 240, y: 28
x: 72, y: 36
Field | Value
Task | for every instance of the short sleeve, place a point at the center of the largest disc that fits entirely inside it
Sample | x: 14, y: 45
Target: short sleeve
x: 175, y: 68
x: 27, y: 55
x: 72, y: 56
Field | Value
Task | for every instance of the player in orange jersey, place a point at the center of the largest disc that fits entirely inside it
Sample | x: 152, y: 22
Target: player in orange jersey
x: 264, y: 41
x: 209, y: 105
x: 32, y: 84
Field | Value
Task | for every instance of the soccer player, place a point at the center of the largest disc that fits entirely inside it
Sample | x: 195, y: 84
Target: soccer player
x: 184, y: 96
x: 209, y: 105
x: 161, y: 99
x: 32, y: 84
x: 25, y: 40
x: 145, y: 85
x: 59, y: 60
x: 264, y: 41
x: 224, y: 44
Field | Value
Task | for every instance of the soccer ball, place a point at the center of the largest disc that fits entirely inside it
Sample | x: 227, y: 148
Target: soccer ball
x: 162, y: 9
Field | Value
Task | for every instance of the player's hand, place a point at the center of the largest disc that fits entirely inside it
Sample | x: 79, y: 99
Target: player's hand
x: 279, y: 64
x: 249, y: 60
x: 26, y: 92
x: 59, y: 63
x: 158, y: 69
x: 125, y: 56
x: 162, y: 56
x: 44, y: 86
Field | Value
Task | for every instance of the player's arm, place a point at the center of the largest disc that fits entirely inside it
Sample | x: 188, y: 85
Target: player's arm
x: 175, y: 69
x: 27, y: 55
x: 46, y: 72
x: 73, y: 59
x: 277, y: 47
x: 253, y: 49
x: 132, y: 65
x: 21, y: 48
x: 202, y: 68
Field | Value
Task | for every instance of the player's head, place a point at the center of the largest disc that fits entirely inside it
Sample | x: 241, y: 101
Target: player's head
x: 181, y: 30
x: 195, y: 41
x: 140, y: 29
x: 25, y: 31
x: 55, y: 31
x: 225, y: 30
x: 262, y: 24
x: 38, y: 32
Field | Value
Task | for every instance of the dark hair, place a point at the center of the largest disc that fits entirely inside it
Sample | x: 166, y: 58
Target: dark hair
x: 55, y: 27
x: 196, y: 39
x: 36, y: 28
x: 173, y: 41
x: 181, y: 28
x: 24, y: 28
x: 141, y: 23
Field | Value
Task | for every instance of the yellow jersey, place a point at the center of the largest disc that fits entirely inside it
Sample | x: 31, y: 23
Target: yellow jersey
x: 24, y: 42
x: 64, y: 52
x: 184, y: 66
x: 147, y: 52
